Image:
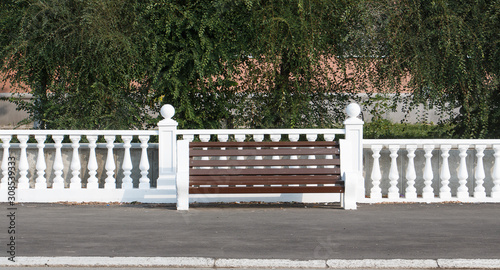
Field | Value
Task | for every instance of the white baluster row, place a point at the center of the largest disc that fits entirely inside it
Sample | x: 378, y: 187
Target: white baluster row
x: 428, y: 191
x: 75, y: 166
x: 258, y: 137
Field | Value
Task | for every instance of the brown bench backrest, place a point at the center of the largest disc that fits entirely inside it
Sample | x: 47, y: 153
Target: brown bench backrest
x: 264, y: 167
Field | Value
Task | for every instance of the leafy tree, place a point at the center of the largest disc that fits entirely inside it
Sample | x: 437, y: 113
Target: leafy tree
x: 250, y: 63
x: 193, y: 48
x: 297, y: 69
x: 79, y: 60
x: 449, y: 50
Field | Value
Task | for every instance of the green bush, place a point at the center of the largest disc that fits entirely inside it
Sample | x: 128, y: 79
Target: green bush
x: 385, y: 129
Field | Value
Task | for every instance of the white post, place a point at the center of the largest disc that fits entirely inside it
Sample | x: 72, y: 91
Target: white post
x: 92, y: 181
x: 495, y: 191
x: 393, y: 173
x: 5, y: 161
x: 463, y: 191
x: 182, y: 179
x: 411, y: 191
x: 127, y: 163
x: 353, y: 145
x: 428, y: 191
x: 75, y: 181
x: 23, y: 181
x: 110, y: 181
x: 479, y: 191
x: 58, y: 182
x: 144, y: 182
x: 445, y: 191
x: 167, y: 149
x: 376, y: 191
x: 41, y: 165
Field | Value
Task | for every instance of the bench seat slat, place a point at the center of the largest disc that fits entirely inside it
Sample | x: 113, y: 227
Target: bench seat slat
x: 275, y: 180
x: 263, y: 152
x: 235, y: 190
x: 264, y: 162
x: 297, y: 171
x: 232, y: 182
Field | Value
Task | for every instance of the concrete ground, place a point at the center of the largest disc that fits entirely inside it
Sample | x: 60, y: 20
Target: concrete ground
x: 255, y: 231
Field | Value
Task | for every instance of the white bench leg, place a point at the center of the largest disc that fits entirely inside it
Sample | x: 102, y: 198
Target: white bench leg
x: 351, y: 178
x: 182, y: 177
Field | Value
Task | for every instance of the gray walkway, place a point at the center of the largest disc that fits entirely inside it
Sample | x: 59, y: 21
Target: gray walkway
x: 298, y: 232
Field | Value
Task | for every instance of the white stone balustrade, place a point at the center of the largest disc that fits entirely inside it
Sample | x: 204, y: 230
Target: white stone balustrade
x: 434, y: 170
x: 49, y: 163
x: 85, y: 165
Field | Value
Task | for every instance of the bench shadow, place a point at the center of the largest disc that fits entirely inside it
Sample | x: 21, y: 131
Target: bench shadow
x: 267, y: 205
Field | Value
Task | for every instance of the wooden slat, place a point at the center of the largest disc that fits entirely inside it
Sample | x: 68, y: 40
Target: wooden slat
x: 236, y: 190
x: 270, y: 178
x: 263, y: 144
x: 264, y: 181
x: 264, y: 162
x: 264, y: 152
x: 298, y: 171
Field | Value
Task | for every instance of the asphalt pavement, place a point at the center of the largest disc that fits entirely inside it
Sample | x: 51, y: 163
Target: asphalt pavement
x: 255, y: 231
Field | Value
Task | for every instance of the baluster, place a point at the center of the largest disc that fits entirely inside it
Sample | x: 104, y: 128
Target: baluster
x: 329, y: 138
x: 376, y: 191
x: 411, y: 191
x: 127, y: 163
x: 258, y: 138
x: 393, y: 173
x: 5, y: 161
x: 40, y: 181
x: 58, y: 163
x: 445, y: 191
x: 240, y: 138
x: 479, y: 191
x: 428, y: 191
x: 311, y: 138
x: 75, y: 181
x: 276, y: 138
x: 223, y: 138
x: 189, y: 137
x: 463, y: 191
x: 23, y: 182
x: 205, y: 138
x: 110, y: 181
x: 58, y: 182
x: 92, y: 182
x: 294, y: 138
x: 144, y: 182
x: 495, y: 192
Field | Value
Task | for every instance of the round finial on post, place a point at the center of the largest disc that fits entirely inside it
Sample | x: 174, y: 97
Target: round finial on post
x: 167, y: 111
x: 353, y: 110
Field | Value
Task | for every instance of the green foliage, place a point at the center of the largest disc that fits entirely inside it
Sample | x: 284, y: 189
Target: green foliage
x: 449, y: 49
x: 79, y: 60
x: 193, y: 48
x: 106, y: 64
x: 294, y: 74
x: 385, y: 129
x: 248, y: 63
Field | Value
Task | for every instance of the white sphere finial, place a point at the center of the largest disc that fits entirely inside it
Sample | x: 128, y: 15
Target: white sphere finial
x: 167, y: 111
x: 353, y: 110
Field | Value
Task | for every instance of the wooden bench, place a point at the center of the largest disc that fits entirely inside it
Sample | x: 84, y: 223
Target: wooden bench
x: 263, y: 167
